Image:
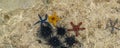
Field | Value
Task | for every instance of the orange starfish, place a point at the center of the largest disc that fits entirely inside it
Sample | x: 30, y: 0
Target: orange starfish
x: 53, y: 19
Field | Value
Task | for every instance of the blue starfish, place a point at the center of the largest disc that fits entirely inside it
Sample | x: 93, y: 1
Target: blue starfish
x: 112, y: 25
x: 43, y: 21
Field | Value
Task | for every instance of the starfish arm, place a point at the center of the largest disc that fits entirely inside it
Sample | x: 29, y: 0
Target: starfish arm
x: 72, y: 24
x: 116, y: 21
x: 54, y: 23
x: 49, y: 19
x: 39, y: 17
x: 110, y: 22
x: 117, y: 28
x: 58, y: 19
x: 79, y: 23
x: 70, y: 30
x: 37, y: 22
x: 81, y: 28
x: 112, y: 29
x: 54, y: 14
x: 46, y: 16
x: 77, y: 33
x: 107, y: 25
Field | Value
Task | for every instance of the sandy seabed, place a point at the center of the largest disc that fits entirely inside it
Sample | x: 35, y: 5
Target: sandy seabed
x: 17, y: 19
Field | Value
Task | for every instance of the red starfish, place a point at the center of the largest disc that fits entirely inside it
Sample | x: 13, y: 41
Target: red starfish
x: 76, y: 28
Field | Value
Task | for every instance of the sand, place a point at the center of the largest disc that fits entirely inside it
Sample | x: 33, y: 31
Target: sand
x: 17, y: 19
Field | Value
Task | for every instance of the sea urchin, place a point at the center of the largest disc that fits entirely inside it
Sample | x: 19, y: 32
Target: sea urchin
x: 45, y: 31
x: 70, y: 40
x: 54, y: 41
x: 61, y: 31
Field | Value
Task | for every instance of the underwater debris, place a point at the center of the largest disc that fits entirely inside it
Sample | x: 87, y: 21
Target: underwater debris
x: 39, y: 41
x: 76, y: 28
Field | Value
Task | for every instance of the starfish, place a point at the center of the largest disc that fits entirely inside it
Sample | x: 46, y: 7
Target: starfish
x: 42, y: 20
x: 76, y: 28
x: 112, y: 25
x: 53, y: 18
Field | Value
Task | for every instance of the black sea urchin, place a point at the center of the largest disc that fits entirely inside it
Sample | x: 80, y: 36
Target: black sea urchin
x: 70, y: 40
x: 54, y: 42
x: 45, y: 31
x: 61, y: 31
